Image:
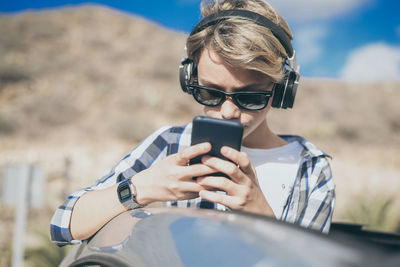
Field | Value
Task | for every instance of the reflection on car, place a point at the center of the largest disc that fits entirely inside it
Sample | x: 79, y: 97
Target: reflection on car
x: 201, y: 237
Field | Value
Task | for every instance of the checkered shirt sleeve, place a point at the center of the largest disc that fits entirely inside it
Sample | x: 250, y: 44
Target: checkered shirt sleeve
x: 165, y: 141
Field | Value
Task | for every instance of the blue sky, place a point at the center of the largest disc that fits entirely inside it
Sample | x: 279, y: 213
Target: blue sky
x: 357, y: 40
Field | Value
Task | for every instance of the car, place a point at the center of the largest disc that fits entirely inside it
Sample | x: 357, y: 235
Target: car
x: 172, y: 236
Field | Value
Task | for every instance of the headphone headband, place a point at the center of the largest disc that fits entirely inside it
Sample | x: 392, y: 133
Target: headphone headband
x: 277, y: 31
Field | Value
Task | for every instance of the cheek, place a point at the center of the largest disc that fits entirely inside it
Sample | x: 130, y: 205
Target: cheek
x: 253, y: 120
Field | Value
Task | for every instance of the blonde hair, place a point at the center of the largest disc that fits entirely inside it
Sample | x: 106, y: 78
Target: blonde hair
x: 242, y: 43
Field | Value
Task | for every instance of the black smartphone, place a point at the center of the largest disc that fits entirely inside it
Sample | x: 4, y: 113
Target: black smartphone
x: 219, y: 133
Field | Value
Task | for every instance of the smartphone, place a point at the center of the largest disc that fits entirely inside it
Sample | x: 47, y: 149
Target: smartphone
x: 219, y: 133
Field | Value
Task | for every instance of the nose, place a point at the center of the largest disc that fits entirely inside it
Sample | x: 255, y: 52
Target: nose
x: 229, y: 110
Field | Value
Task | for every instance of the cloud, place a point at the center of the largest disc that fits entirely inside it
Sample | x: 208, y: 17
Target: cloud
x: 309, y: 45
x: 309, y: 10
x: 373, y: 62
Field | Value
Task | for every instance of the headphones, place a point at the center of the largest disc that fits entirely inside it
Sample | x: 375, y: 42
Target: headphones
x: 285, y: 90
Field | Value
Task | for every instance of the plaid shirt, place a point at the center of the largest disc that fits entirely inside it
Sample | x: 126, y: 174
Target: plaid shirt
x: 309, y: 204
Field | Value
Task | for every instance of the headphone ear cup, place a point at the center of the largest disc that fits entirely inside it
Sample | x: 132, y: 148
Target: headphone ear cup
x: 278, y: 94
x: 185, y: 74
x: 291, y: 89
x: 285, y: 91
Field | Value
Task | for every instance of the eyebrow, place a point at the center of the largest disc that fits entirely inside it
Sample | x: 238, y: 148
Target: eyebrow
x: 249, y: 87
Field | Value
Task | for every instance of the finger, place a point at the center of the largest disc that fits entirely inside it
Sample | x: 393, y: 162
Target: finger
x: 231, y: 202
x: 226, y: 167
x: 240, y: 158
x: 186, y: 154
x: 196, y: 170
x: 187, y: 196
x: 191, y: 187
x: 217, y: 182
x: 184, y: 190
x: 191, y: 196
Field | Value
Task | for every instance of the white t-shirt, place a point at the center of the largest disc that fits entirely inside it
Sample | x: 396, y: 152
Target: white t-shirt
x: 276, y: 169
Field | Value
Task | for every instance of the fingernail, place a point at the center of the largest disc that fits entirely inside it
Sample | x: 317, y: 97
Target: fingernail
x: 205, y: 145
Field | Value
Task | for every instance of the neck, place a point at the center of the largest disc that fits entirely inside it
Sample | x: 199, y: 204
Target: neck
x: 262, y: 137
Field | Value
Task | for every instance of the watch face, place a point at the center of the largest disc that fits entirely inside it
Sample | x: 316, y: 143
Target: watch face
x: 124, y: 193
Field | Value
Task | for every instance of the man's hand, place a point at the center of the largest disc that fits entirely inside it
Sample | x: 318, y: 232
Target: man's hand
x: 171, y: 179
x: 242, y: 191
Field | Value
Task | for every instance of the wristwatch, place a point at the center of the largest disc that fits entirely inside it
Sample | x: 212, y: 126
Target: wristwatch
x: 127, y: 195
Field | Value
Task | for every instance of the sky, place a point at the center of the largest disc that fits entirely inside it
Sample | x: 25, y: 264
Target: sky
x: 353, y: 40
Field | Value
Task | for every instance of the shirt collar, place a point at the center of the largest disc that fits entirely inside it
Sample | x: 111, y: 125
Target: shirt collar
x: 308, y: 146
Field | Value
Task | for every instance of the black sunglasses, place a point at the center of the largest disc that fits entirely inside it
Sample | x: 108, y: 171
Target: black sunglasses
x: 253, y: 101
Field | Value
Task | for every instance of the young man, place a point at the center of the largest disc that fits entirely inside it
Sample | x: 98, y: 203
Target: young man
x: 240, y: 63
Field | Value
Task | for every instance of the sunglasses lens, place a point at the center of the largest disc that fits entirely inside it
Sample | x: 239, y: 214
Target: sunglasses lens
x: 252, y: 101
x: 213, y: 97
x: 208, y: 97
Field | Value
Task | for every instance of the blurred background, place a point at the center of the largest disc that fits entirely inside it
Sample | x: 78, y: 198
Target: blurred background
x: 81, y: 83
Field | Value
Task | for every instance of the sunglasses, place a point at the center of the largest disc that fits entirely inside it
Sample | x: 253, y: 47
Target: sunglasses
x: 257, y: 100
